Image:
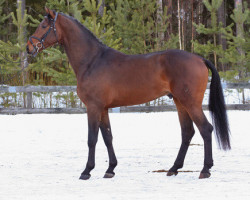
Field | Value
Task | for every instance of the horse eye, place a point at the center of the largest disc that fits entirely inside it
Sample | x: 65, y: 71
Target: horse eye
x: 44, y: 26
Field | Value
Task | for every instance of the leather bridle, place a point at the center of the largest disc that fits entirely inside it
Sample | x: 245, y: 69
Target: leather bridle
x: 39, y: 44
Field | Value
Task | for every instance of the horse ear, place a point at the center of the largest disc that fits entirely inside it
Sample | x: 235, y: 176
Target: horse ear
x: 50, y: 12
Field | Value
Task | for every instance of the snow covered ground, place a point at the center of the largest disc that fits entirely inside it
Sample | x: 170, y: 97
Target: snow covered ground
x: 42, y: 156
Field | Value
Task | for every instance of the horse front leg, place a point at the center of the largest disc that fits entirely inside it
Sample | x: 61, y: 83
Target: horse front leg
x: 94, y: 118
x: 108, y: 138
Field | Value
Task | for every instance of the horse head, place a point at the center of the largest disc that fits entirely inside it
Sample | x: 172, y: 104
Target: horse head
x: 47, y: 33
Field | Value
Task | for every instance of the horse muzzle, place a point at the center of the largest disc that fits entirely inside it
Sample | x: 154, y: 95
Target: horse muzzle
x: 36, y: 47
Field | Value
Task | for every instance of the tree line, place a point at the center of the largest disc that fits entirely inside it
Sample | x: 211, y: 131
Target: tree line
x: 215, y: 29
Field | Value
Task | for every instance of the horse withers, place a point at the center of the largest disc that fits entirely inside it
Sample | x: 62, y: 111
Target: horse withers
x: 107, y: 78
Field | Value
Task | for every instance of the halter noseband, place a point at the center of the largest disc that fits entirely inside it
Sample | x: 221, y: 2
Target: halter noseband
x: 39, y: 44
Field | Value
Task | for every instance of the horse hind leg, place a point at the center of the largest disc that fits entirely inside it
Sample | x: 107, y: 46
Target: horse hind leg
x: 187, y: 132
x: 205, y: 129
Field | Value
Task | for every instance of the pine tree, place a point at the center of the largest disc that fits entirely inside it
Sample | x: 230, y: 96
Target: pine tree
x: 99, y: 24
x: 3, y: 46
x: 238, y: 52
x: 13, y: 51
x: 211, y: 47
x: 21, y: 21
x: 136, y: 22
x: 3, y: 18
x: 70, y: 7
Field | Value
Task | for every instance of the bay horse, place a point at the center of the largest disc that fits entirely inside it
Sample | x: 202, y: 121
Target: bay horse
x: 107, y: 78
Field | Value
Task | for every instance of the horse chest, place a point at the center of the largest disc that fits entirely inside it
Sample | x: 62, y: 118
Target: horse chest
x: 90, y: 92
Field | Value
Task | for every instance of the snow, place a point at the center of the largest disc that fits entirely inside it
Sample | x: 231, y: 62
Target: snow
x: 42, y: 157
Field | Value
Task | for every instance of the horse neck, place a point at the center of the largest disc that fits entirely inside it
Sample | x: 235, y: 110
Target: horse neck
x: 81, y: 48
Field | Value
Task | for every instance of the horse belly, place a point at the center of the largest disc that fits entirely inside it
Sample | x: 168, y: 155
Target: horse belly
x: 137, y: 90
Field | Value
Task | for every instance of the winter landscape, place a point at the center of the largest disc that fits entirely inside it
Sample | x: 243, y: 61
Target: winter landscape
x: 42, y: 157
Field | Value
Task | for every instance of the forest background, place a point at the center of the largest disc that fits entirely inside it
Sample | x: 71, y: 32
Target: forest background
x: 215, y: 29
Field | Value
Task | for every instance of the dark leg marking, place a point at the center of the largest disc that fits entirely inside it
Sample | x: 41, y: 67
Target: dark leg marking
x: 205, y: 129
x: 187, y: 132
x: 108, y: 138
x: 94, y: 116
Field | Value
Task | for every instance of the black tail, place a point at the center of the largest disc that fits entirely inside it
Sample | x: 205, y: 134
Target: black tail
x: 217, y: 109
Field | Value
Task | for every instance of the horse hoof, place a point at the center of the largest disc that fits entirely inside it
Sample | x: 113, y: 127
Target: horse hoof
x: 204, y: 175
x: 172, y: 173
x: 109, y: 175
x: 85, y: 176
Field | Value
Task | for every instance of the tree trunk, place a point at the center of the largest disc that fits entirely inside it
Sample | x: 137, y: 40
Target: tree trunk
x: 169, y: 6
x: 222, y: 19
x: 22, y: 53
x: 239, y: 33
x: 160, y: 31
x: 68, y: 5
x: 179, y: 23
x: 101, y: 8
x: 183, y: 24
x: 200, y: 6
x: 215, y: 55
x: 192, y: 26
x: 239, y: 27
